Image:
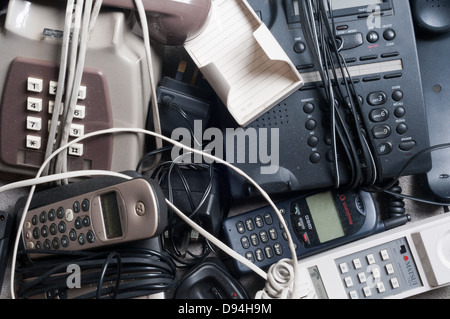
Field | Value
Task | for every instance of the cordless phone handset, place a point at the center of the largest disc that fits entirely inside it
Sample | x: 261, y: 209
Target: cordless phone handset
x: 94, y: 213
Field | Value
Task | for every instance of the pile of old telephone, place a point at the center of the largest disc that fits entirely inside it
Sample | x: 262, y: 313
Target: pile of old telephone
x: 141, y: 182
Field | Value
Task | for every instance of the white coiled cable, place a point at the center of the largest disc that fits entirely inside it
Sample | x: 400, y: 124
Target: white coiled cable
x: 280, y: 279
x: 283, y: 282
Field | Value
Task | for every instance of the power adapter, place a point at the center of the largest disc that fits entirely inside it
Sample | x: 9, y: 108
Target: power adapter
x: 188, y: 187
x: 210, y: 280
x: 181, y: 103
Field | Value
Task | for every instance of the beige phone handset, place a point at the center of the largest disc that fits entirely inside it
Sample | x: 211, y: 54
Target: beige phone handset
x: 114, y: 90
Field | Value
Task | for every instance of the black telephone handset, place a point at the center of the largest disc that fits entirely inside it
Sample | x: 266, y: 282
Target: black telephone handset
x: 432, y: 16
x: 432, y: 24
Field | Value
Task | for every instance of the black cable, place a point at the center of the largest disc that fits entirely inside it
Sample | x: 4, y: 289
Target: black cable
x: 151, y: 153
x: 164, y: 173
x: 391, y: 183
x: 135, y: 267
x: 355, y: 110
x: 104, y: 268
x: 394, y: 213
x: 321, y: 38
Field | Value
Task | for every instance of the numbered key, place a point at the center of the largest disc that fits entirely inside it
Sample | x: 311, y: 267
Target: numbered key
x: 34, y: 104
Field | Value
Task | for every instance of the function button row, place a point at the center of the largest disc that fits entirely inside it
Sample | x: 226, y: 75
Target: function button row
x: 249, y: 223
x: 388, y: 35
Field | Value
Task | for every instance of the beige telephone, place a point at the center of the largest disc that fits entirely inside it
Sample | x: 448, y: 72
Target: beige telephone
x: 114, y: 90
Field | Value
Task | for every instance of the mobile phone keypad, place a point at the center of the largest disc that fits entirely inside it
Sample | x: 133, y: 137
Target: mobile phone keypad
x: 55, y: 228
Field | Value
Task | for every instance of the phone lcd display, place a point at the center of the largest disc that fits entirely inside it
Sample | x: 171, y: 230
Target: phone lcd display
x: 111, y: 215
x: 344, y: 4
x: 325, y: 216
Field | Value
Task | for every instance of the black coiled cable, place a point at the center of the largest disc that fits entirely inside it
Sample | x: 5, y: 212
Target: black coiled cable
x: 395, y: 212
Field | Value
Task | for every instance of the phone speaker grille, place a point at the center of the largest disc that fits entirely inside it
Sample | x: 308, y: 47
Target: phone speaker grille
x: 277, y: 116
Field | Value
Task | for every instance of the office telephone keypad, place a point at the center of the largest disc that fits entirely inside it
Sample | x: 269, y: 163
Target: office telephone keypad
x: 55, y: 228
x: 379, y: 272
x: 27, y: 108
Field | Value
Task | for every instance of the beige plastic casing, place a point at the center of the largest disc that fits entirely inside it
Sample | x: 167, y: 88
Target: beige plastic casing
x: 113, y: 48
x: 171, y: 22
x: 139, y: 217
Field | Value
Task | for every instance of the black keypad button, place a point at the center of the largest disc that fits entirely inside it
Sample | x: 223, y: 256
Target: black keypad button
x: 90, y: 236
x: 76, y: 207
x: 308, y: 108
x: 51, y: 215
x: 278, y: 249
x: 269, y: 252
x: 373, y: 37
x: 245, y: 242
x: 313, y: 141
x: 249, y: 224
x: 240, y: 227
x: 55, y: 243
x: 389, y: 35
x: 268, y: 218
x: 315, y: 158
x: 62, y: 227
x: 263, y: 236
x: 73, y: 235
x: 273, y: 233
x: 47, y: 244
x: 60, y: 213
x: 64, y: 241
x: 397, y: 95
x: 402, y: 128
x: 53, y: 229
x: 44, y: 231
x: 384, y: 148
x: 399, y: 112
x: 376, y: 98
x: 34, y: 220
x: 36, y: 233
x: 407, y: 145
x: 259, y: 221
x: 85, y: 205
x: 78, y: 223
x: 254, y: 239
x: 82, y: 239
x: 379, y: 115
x: 43, y: 217
x: 311, y: 125
x: 299, y: 47
x: 249, y: 255
x: 381, y: 131
x: 86, y: 221
x: 259, y: 254
x: 368, y: 57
